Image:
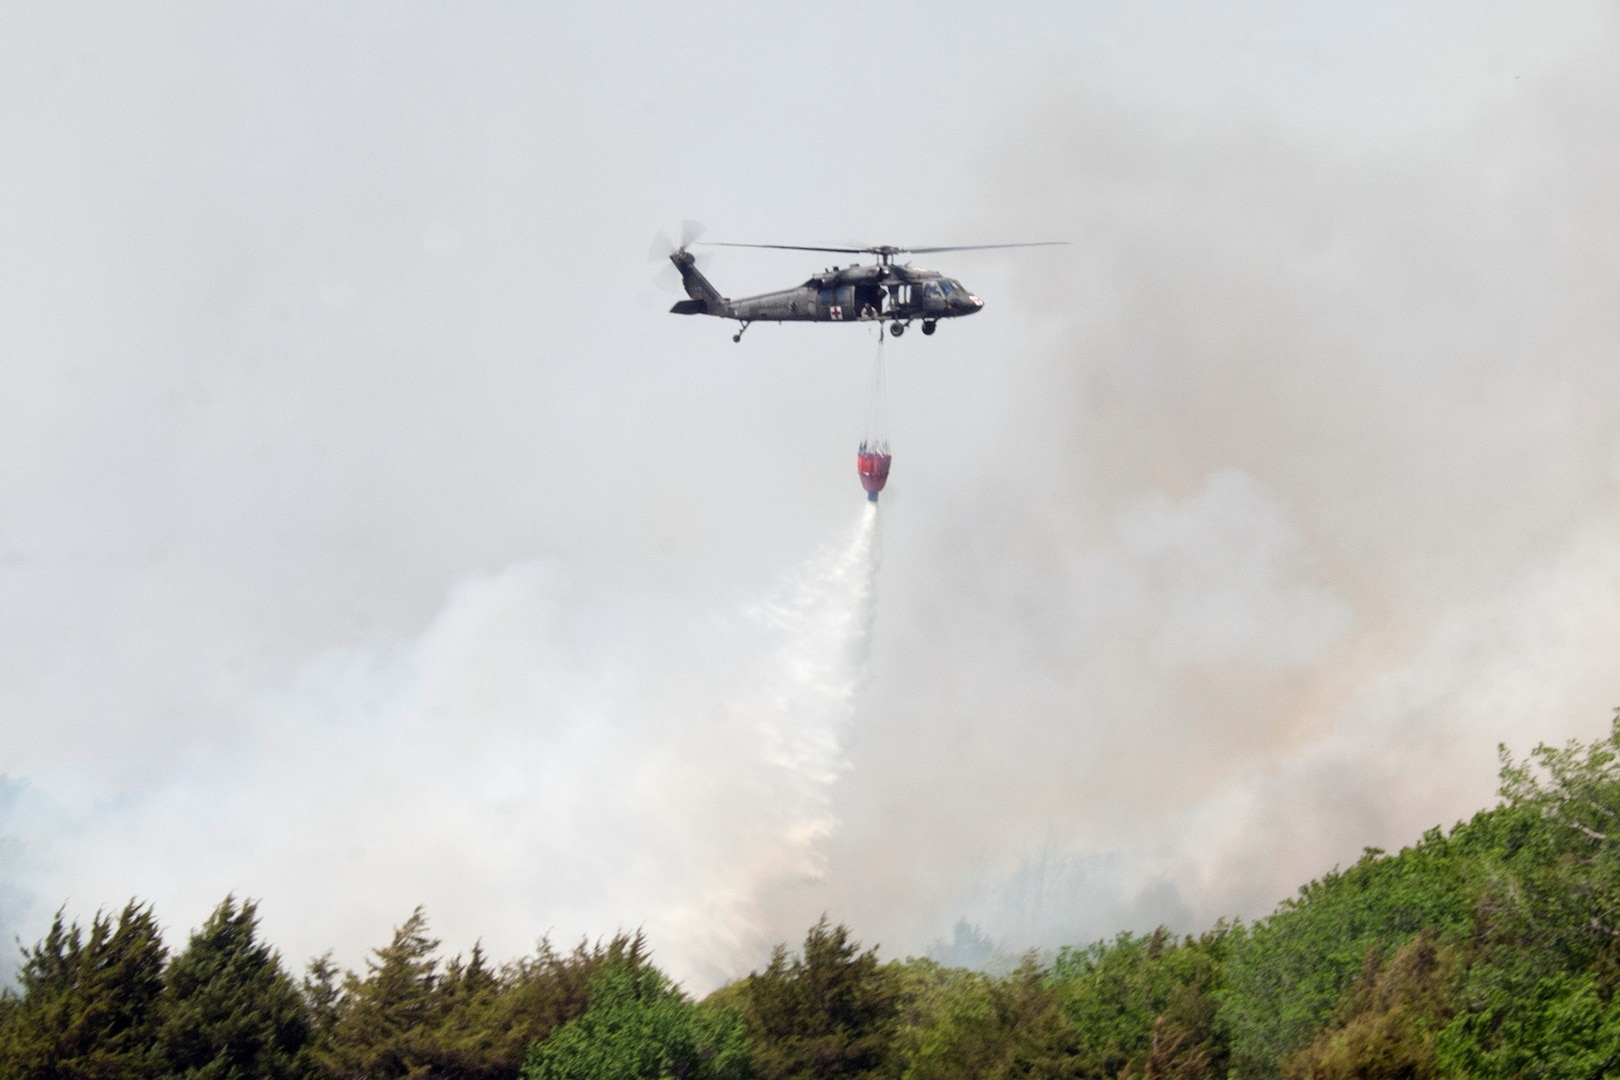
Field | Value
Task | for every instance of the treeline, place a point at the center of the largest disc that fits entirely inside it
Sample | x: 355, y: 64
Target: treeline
x: 1490, y: 951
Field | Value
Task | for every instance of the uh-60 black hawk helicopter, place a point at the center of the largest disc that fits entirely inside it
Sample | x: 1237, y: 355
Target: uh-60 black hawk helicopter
x: 888, y: 292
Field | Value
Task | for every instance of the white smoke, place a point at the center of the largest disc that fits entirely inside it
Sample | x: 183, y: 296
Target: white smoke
x: 1307, y: 498
x: 508, y: 770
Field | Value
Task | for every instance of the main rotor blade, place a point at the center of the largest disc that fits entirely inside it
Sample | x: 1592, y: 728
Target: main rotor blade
x: 888, y: 249
x: 983, y: 247
x: 793, y: 247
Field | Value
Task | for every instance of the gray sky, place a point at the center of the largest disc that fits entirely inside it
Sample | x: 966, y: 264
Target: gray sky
x: 371, y: 536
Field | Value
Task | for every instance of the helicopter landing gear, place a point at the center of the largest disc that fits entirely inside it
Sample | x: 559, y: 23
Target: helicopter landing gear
x: 896, y: 329
x: 737, y: 337
x: 929, y: 325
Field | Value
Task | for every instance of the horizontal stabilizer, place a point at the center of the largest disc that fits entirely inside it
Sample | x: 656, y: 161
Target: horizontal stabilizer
x: 691, y: 307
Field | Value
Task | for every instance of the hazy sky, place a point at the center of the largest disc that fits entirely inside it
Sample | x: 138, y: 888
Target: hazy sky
x: 371, y: 536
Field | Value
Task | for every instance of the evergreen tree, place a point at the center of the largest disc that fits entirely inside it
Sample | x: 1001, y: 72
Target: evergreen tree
x: 540, y: 994
x: 411, y: 1017
x: 89, y: 1007
x: 828, y: 1014
x: 230, y: 1011
x: 469, y: 1039
x: 489, y: 1019
x: 321, y: 992
x: 1040, y: 1043
x: 379, y: 1021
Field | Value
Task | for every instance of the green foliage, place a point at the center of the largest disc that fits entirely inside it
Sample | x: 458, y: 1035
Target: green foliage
x: 1041, y: 1043
x: 827, y: 1014
x: 230, y: 1011
x: 964, y: 1025
x: 1557, y: 1025
x: 1492, y: 951
x: 321, y: 993
x: 1521, y: 912
x: 1284, y: 975
x: 640, y: 1027
x: 1564, y: 896
x: 472, y: 1036
x: 1145, y: 1005
x: 89, y: 1006
x: 949, y: 1026
x: 410, y: 1016
x: 1539, y: 996
x: 1388, y: 1022
x: 541, y: 993
x: 380, y: 1020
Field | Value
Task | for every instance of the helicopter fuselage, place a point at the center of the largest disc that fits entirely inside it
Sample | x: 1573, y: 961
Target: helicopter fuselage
x: 855, y: 293
x: 858, y: 293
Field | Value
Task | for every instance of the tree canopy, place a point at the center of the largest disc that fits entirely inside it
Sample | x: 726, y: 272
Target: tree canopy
x: 229, y: 1010
x: 827, y: 1013
x: 639, y: 1026
x: 89, y: 1003
x: 1490, y: 950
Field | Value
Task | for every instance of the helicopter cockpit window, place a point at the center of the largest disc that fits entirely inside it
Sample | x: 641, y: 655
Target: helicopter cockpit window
x: 945, y: 287
x: 932, y: 289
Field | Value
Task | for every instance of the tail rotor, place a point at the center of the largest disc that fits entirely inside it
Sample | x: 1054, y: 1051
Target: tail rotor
x: 663, y: 247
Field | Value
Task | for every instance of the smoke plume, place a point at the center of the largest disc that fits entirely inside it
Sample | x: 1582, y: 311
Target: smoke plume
x: 507, y: 769
x: 1306, y: 499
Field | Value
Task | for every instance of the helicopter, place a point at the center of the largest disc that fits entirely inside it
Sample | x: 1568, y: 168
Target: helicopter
x: 889, y: 292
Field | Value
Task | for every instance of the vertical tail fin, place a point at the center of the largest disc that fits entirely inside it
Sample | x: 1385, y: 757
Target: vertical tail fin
x: 706, y: 299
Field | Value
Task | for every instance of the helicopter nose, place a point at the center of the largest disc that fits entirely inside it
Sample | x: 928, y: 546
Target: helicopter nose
x: 974, y: 304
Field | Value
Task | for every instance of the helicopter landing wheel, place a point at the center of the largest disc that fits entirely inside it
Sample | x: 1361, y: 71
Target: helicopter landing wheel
x: 737, y: 336
x: 929, y: 326
x: 896, y: 329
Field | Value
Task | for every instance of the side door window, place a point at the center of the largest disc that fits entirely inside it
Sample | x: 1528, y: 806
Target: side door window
x: 838, y: 302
